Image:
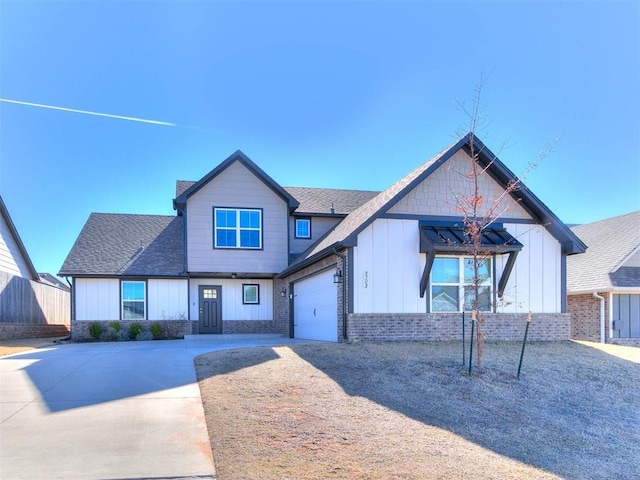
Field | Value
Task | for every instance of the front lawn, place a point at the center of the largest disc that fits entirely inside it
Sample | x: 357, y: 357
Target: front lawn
x: 410, y: 410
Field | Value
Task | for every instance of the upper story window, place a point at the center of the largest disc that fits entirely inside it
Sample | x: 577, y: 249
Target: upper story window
x: 133, y: 300
x: 452, y: 284
x: 303, y: 228
x: 237, y: 228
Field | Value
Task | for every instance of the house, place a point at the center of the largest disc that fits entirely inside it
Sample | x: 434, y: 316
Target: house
x: 245, y: 255
x: 29, y: 307
x: 604, y: 283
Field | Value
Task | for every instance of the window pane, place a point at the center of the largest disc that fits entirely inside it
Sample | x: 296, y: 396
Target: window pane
x: 249, y: 219
x: 225, y: 238
x: 445, y: 270
x: 133, y: 290
x: 132, y: 310
x: 250, y: 238
x: 484, y: 270
x: 444, y: 299
x: 484, y: 299
x: 225, y: 218
x: 303, y: 227
x: 250, y: 294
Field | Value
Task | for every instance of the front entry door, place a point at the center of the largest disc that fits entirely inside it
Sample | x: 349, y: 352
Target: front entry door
x: 210, y: 320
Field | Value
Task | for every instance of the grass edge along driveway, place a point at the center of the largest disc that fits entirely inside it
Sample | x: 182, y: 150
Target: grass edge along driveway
x: 409, y: 410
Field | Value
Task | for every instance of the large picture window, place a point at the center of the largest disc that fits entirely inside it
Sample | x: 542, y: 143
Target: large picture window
x: 134, y: 300
x: 237, y: 228
x: 452, y: 284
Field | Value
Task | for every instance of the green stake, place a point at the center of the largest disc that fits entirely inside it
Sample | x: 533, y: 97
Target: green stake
x: 526, y: 331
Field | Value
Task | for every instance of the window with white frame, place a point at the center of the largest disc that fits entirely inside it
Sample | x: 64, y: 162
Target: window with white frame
x: 237, y: 228
x: 303, y: 228
x: 251, y: 294
x: 452, y: 284
x: 133, y: 300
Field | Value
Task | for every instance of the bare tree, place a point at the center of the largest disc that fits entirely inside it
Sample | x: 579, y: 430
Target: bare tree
x: 478, y: 212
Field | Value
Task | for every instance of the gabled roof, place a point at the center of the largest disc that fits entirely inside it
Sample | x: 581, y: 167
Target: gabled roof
x: 345, y: 233
x: 14, y: 232
x: 130, y: 245
x: 53, y: 281
x: 604, y: 267
x: 238, y: 156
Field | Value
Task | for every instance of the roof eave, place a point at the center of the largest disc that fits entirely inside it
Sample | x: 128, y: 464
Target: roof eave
x: 12, y: 229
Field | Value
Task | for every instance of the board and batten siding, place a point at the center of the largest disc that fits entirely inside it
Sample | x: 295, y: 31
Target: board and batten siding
x: 236, y: 187
x: 388, y: 267
x: 99, y: 299
x: 435, y: 195
x: 11, y: 259
x: 232, y: 306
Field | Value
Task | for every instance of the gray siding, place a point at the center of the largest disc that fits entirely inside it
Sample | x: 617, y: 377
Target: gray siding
x: 236, y: 187
x: 319, y: 227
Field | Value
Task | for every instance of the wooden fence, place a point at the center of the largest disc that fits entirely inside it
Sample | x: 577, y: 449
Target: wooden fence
x: 29, y: 303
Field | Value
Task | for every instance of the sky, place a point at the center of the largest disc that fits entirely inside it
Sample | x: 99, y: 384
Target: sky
x: 336, y: 94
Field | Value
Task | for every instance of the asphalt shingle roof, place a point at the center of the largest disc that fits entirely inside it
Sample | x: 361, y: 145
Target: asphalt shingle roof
x: 610, y: 242
x: 125, y: 244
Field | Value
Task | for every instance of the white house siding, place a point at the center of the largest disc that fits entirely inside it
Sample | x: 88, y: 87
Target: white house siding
x: 11, y: 259
x: 319, y: 226
x: 388, y: 267
x: 167, y: 299
x: 232, y: 306
x: 435, y: 196
x: 97, y: 299
x: 236, y: 187
x: 536, y: 279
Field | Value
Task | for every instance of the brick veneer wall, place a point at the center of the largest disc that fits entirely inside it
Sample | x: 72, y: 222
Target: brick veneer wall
x: 448, y: 326
x: 177, y: 328
x: 10, y: 331
x: 249, y: 326
x: 585, y: 316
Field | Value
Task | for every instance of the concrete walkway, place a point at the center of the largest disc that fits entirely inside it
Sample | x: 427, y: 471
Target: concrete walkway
x: 129, y: 410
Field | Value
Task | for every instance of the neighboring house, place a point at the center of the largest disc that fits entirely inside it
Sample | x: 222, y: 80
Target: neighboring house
x: 244, y: 254
x: 28, y: 306
x: 604, y: 283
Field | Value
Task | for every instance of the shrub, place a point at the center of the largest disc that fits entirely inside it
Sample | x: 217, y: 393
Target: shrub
x: 156, y: 330
x: 134, y: 330
x: 95, y: 330
x: 122, y: 336
x: 109, y: 335
x: 115, y: 325
x: 144, y: 336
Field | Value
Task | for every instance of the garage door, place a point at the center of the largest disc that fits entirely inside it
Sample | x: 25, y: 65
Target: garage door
x: 315, y: 308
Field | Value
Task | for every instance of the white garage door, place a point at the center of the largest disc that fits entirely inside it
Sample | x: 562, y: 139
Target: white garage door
x: 315, y: 308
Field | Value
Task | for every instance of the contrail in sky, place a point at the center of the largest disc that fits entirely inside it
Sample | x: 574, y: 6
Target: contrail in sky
x: 86, y: 112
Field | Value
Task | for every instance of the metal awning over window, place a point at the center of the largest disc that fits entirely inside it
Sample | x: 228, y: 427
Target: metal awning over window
x: 438, y: 239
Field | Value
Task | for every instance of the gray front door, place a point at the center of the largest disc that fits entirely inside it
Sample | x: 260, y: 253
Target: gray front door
x: 210, y: 300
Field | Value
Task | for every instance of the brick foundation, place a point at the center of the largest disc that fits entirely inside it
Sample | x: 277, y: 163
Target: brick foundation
x: 10, y: 331
x: 249, y: 326
x: 448, y: 326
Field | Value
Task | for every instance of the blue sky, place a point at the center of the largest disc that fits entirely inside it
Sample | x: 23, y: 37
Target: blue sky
x: 328, y: 94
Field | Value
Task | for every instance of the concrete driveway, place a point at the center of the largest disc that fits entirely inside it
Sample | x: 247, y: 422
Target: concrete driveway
x: 128, y: 410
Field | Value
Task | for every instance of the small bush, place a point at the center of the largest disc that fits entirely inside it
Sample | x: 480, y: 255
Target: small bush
x: 134, y: 330
x: 109, y: 335
x: 95, y: 330
x: 156, y: 330
x: 115, y: 325
x: 144, y: 336
x: 122, y: 336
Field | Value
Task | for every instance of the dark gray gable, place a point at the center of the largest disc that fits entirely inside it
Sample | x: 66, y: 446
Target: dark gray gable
x: 14, y: 232
x: 130, y: 245
x: 238, y: 156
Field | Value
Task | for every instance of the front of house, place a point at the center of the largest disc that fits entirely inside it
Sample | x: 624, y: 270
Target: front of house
x: 246, y: 255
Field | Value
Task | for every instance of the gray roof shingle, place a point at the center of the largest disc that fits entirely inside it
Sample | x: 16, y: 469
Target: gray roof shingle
x: 126, y: 244
x: 610, y: 242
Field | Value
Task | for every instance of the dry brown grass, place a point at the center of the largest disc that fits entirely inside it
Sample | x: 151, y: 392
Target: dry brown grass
x: 8, y: 347
x: 409, y: 410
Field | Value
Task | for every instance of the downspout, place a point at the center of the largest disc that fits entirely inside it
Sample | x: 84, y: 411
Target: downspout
x: 344, y: 293
x: 595, y: 295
